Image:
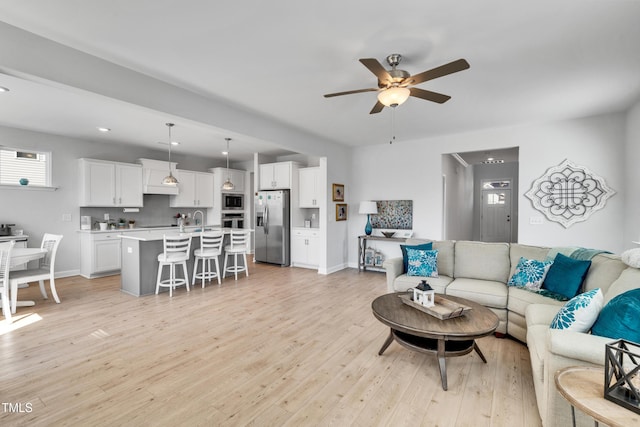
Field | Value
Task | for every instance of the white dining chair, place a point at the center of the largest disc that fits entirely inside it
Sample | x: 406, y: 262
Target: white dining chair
x: 238, y: 245
x: 210, y: 249
x: 177, y: 249
x: 45, y: 271
x: 5, y: 262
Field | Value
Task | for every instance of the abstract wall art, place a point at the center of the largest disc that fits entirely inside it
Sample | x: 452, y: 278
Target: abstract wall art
x: 568, y: 193
x: 393, y: 214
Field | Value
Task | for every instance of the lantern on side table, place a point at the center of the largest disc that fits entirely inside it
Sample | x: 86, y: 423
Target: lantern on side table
x: 424, y: 294
x: 622, y: 374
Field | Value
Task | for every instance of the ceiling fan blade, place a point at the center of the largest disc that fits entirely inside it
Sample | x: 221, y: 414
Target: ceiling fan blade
x: 443, y: 70
x: 377, y: 108
x: 376, y: 68
x: 349, y: 92
x: 428, y: 95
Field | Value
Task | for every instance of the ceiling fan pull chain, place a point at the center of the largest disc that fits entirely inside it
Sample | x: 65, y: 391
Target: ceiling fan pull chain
x: 393, y: 125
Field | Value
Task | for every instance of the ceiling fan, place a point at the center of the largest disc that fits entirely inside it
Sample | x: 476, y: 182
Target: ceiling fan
x: 395, y: 86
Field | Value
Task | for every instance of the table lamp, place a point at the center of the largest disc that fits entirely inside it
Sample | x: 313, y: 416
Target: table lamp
x: 368, y: 208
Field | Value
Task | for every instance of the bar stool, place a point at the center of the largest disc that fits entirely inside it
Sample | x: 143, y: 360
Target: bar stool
x: 177, y: 248
x: 238, y: 246
x: 210, y: 249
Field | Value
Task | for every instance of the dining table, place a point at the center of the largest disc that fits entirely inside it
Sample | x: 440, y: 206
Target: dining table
x: 21, y: 256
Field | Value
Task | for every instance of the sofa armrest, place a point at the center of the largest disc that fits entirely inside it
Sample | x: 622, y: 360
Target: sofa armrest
x: 577, y: 345
x: 393, y: 266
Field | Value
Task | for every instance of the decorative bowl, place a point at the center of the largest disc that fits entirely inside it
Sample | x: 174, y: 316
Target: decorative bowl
x: 388, y: 233
x: 24, y: 181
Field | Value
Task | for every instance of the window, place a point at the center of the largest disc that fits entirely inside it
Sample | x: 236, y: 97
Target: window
x: 15, y: 164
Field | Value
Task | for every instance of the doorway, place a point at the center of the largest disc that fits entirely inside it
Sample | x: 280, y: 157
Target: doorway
x: 495, y: 217
x: 473, y: 212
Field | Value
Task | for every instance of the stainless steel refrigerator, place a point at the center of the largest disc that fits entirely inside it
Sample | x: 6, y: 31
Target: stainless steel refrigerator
x: 272, y: 227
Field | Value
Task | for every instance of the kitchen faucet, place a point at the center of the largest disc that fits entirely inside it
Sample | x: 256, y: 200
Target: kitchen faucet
x: 201, y: 214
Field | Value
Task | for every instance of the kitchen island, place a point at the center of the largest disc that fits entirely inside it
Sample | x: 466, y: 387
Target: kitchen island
x: 139, y: 259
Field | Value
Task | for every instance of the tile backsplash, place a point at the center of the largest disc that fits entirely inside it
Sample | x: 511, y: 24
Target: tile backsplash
x: 156, y: 211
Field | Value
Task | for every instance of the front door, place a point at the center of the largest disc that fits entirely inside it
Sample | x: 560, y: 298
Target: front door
x: 495, y: 223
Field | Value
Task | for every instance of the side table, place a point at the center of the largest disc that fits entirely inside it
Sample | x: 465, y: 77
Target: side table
x: 362, y: 245
x: 583, y: 388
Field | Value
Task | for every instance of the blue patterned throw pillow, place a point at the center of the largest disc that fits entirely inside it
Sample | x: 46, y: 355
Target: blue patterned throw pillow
x: 530, y: 273
x: 422, y: 263
x: 580, y: 312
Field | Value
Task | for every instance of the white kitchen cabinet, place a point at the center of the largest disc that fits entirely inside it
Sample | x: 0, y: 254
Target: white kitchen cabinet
x: 195, y: 189
x: 276, y: 175
x: 309, y: 187
x: 105, y: 184
x: 305, y: 247
x: 99, y: 254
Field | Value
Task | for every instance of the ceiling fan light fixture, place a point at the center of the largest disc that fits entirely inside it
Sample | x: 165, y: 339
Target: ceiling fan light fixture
x: 394, y: 96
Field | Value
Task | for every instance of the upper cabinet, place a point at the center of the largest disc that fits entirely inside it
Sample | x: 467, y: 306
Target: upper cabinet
x: 276, y: 175
x: 195, y: 189
x: 105, y: 184
x: 309, y: 187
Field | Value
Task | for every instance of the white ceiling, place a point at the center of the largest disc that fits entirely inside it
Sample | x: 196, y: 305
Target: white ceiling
x: 530, y: 62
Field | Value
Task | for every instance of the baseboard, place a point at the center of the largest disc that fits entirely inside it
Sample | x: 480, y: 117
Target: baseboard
x: 67, y: 273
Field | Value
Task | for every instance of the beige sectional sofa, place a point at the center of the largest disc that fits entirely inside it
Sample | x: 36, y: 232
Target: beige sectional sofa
x: 480, y: 271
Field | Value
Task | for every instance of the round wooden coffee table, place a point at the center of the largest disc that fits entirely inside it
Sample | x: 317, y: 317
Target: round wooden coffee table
x: 422, y: 332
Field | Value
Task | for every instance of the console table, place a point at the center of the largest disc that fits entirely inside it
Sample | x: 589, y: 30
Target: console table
x: 362, y: 245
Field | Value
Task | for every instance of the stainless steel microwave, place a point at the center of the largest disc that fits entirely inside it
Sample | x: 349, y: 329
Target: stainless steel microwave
x: 232, y: 201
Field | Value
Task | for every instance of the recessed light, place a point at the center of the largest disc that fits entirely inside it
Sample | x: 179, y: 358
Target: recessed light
x: 225, y: 153
x: 103, y: 129
x: 4, y: 89
x: 175, y: 143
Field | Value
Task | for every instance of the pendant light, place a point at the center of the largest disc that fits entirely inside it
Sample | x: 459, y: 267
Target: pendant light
x: 170, y: 179
x: 228, y: 185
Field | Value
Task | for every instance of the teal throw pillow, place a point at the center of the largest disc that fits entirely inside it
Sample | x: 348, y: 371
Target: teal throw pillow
x: 530, y: 273
x: 580, y: 312
x: 566, y: 275
x: 619, y: 318
x: 422, y: 263
x: 403, y: 248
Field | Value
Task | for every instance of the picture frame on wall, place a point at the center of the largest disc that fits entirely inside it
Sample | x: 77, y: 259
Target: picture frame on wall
x: 341, y: 211
x: 338, y: 192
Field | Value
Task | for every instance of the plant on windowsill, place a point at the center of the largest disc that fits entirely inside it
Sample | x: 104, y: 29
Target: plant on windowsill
x: 132, y: 223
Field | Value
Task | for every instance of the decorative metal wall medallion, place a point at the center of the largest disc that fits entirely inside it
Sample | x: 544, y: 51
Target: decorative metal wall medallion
x: 569, y: 193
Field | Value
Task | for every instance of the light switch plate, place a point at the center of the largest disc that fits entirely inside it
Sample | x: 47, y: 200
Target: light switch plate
x: 535, y: 220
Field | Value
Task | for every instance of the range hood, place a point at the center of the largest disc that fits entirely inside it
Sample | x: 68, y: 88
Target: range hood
x: 153, y: 171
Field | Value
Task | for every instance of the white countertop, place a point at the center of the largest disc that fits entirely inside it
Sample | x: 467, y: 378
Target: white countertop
x: 190, y: 228
x: 158, y: 234
x: 12, y: 237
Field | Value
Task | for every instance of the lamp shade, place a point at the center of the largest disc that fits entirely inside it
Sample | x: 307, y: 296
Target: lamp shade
x: 394, y: 96
x: 368, y: 208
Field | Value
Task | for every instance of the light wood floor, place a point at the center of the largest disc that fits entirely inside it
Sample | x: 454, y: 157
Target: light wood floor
x: 285, y: 346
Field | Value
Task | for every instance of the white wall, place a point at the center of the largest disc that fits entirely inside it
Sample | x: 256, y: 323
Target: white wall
x: 632, y: 177
x: 459, y: 199
x: 412, y: 170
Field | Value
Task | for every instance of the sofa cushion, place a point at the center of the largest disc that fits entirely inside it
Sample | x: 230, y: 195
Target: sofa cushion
x: 530, y: 273
x: 422, y: 262
x: 628, y: 280
x: 604, y: 270
x: 580, y: 312
x: 520, y: 298
x: 566, y: 275
x: 439, y: 284
x: 424, y: 246
x: 445, y: 253
x: 619, y: 318
x: 486, y: 292
x: 480, y: 260
x: 517, y: 251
